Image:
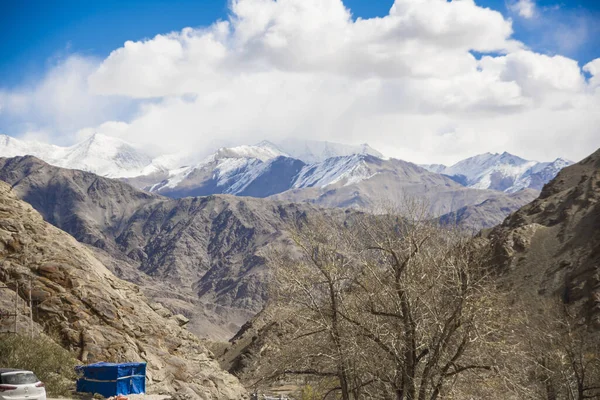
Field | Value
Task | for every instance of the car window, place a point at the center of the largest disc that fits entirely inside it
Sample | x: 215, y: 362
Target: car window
x: 19, y: 378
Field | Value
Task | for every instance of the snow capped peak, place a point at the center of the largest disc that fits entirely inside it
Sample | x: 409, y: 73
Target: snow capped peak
x: 347, y: 170
x: 12, y: 147
x: 505, y: 172
x: 476, y: 168
x: 107, y: 156
x: 263, y: 151
x: 312, y: 151
x: 103, y: 155
x: 561, y: 163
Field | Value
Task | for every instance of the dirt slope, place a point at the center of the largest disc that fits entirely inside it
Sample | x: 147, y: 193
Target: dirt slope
x: 552, y: 245
x: 92, y: 312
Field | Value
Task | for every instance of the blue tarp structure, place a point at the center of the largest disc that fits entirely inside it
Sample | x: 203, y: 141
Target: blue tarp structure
x: 110, y: 379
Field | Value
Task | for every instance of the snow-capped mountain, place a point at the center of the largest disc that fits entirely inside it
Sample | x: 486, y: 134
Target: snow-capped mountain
x: 267, y: 168
x: 102, y: 155
x: 260, y: 171
x: 112, y: 157
x: 313, y: 151
x: 11, y: 147
x: 504, y: 172
x: 234, y: 170
x: 106, y: 156
x: 343, y: 170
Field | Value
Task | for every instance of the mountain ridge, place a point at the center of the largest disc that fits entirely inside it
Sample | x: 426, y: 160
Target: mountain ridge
x: 200, y: 255
x: 551, y: 244
x: 501, y: 171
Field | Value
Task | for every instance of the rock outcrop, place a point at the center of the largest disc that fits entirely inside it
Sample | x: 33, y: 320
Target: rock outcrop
x: 552, y: 245
x: 98, y: 316
x: 200, y: 257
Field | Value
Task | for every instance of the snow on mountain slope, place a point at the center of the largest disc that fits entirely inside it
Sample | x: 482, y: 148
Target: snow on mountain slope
x: 490, y: 171
x: 229, y: 169
x: 11, y: 147
x: 539, y: 175
x: 346, y: 170
x: 266, y: 168
x: 313, y: 151
x: 262, y: 151
x: 504, y: 172
x: 102, y: 155
x: 261, y: 171
x: 106, y: 156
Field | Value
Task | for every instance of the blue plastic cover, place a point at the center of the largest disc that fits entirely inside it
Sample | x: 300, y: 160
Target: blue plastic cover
x: 110, y: 379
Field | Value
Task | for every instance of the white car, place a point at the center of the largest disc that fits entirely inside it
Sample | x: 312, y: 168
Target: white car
x: 16, y: 384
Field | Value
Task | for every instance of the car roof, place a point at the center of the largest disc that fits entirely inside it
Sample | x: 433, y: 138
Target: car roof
x: 6, y: 370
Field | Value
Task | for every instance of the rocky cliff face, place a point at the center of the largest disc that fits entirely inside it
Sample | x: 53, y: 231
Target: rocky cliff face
x: 202, y: 257
x: 97, y: 315
x: 490, y: 212
x: 552, y: 245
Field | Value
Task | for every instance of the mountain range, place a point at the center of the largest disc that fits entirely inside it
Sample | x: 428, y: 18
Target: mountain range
x: 547, y: 249
x: 202, y: 257
x: 193, y: 239
x: 504, y: 172
x: 323, y: 173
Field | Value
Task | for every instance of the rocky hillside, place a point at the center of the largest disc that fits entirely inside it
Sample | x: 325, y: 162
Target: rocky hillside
x: 552, y: 245
x: 360, y: 181
x: 92, y: 312
x: 368, y: 181
x: 490, y: 212
x: 202, y: 257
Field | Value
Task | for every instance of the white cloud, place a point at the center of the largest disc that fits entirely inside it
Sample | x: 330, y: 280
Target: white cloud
x: 419, y: 38
x: 407, y: 83
x: 60, y: 102
x: 525, y: 8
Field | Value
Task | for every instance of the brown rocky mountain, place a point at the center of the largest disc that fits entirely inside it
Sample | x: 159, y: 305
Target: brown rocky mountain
x: 490, y: 212
x: 376, y: 181
x: 552, y: 245
x: 202, y: 257
x: 198, y: 256
x: 98, y: 316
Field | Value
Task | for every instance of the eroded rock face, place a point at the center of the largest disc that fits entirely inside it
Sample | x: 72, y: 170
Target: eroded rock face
x: 100, y: 317
x: 553, y: 244
x: 200, y: 257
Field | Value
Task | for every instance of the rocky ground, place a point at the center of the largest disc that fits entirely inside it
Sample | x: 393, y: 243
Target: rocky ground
x: 99, y: 317
x: 552, y: 245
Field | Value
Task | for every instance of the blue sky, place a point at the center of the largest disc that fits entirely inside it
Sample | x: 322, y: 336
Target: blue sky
x: 39, y: 33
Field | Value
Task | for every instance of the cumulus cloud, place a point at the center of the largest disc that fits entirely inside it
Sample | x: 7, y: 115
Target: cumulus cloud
x: 412, y: 83
x: 525, y: 8
x: 59, y: 104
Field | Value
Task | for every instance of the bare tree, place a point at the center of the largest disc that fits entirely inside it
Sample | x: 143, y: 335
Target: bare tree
x: 391, y: 307
x: 559, y: 356
x: 309, y: 289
